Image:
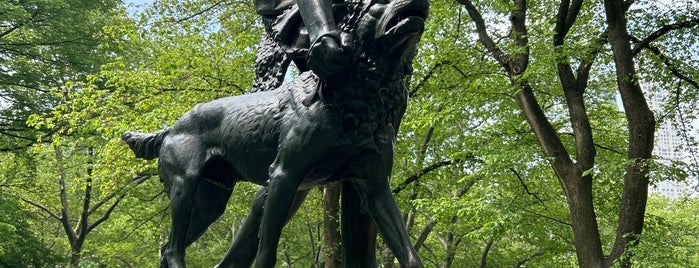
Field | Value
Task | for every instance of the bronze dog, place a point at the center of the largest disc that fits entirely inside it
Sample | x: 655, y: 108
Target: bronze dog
x: 303, y: 134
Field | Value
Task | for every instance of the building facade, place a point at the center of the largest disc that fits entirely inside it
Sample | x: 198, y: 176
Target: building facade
x: 667, y: 145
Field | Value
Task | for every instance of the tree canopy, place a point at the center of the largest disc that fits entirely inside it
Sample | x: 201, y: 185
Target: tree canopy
x: 513, y: 151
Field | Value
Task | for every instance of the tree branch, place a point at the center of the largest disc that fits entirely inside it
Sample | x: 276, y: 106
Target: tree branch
x: 684, y: 131
x: 65, y: 216
x: 106, y: 215
x: 198, y: 13
x: 7, y: 132
x: 423, y: 172
x: 82, y: 222
x: 42, y: 207
x: 427, y: 77
x: 548, y: 217
x: 535, y: 116
x: 12, y: 149
x: 142, y: 222
x: 12, y: 29
x: 565, y: 18
x: 673, y: 69
x: 526, y: 189
x: 544, y: 131
x: 529, y: 258
x: 19, y: 25
x: 518, y: 18
x: 138, y: 180
x: 595, y: 47
x: 424, y: 233
x: 502, y: 58
x: 574, y: 87
x: 579, y: 120
x: 425, y: 143
x: 645, y: 43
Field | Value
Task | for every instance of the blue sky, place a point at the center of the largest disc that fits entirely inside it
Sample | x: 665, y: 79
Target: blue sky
x: 136, y: 6
x: 138, y: 2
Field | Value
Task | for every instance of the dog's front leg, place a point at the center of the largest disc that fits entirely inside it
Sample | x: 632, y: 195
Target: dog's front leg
x: 280, y: 195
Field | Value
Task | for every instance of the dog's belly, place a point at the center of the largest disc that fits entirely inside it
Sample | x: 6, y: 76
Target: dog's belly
x: 241, y: 130
x: 334, y: 167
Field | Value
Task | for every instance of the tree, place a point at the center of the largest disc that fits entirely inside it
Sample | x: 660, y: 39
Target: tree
x: 511, y: 150
x: 188, y: 61
x: 575, y: 171
x: 668, y: 235
x: 462, y: 96
x: 20, y: 246
x: 92, y: 210
x: 42, y: 45
x: 48, y: 46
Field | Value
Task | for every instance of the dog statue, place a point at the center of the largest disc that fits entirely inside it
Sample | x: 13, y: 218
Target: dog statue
x: 305, y: 133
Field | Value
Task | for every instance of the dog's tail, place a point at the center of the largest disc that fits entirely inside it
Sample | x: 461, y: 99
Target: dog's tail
x: 145, y: 145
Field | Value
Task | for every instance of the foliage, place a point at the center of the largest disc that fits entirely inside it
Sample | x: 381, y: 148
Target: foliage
x: 671, y: 234
x: 43, y: 45
x: 469, y: 172
x: 463, y: 108
x: 21, y: 246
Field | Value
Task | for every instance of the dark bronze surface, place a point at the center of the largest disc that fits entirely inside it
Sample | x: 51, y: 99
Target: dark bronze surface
x: 340, y: 125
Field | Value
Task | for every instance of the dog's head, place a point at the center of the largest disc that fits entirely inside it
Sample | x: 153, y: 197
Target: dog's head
x: 388, y: 31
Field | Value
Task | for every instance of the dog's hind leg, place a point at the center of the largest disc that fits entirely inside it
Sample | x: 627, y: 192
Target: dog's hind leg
x: 181, y: 192
x: 216, y: 184
x: 181, y: 164
x: 242, y: 253
x: 209, y: 204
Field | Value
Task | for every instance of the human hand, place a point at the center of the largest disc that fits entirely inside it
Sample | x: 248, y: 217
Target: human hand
x: 326, y: 56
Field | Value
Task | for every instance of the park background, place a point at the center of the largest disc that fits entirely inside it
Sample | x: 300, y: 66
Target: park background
x: 476, y: 180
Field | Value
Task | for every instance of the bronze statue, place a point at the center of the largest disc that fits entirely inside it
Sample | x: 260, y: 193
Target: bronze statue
x: 303, y: 31
x: 307, y: 132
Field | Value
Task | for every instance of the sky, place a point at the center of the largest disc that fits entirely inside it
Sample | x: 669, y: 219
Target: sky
x: 134, y: 7
x: 137, y: 2
x: 131, y: 4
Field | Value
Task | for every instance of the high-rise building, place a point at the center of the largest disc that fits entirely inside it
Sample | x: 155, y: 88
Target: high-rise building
x: 667, y: 144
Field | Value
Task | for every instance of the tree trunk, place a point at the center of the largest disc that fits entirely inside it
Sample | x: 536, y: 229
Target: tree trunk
x: 571, y: 173
x: 577, y: 188
x: 452, y: 241
x: 450, y: 252
x: 486, y: 250
x: 641, y: 125
x: 75, y: 254
x: 331, y: 226
x: 586, y: 236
